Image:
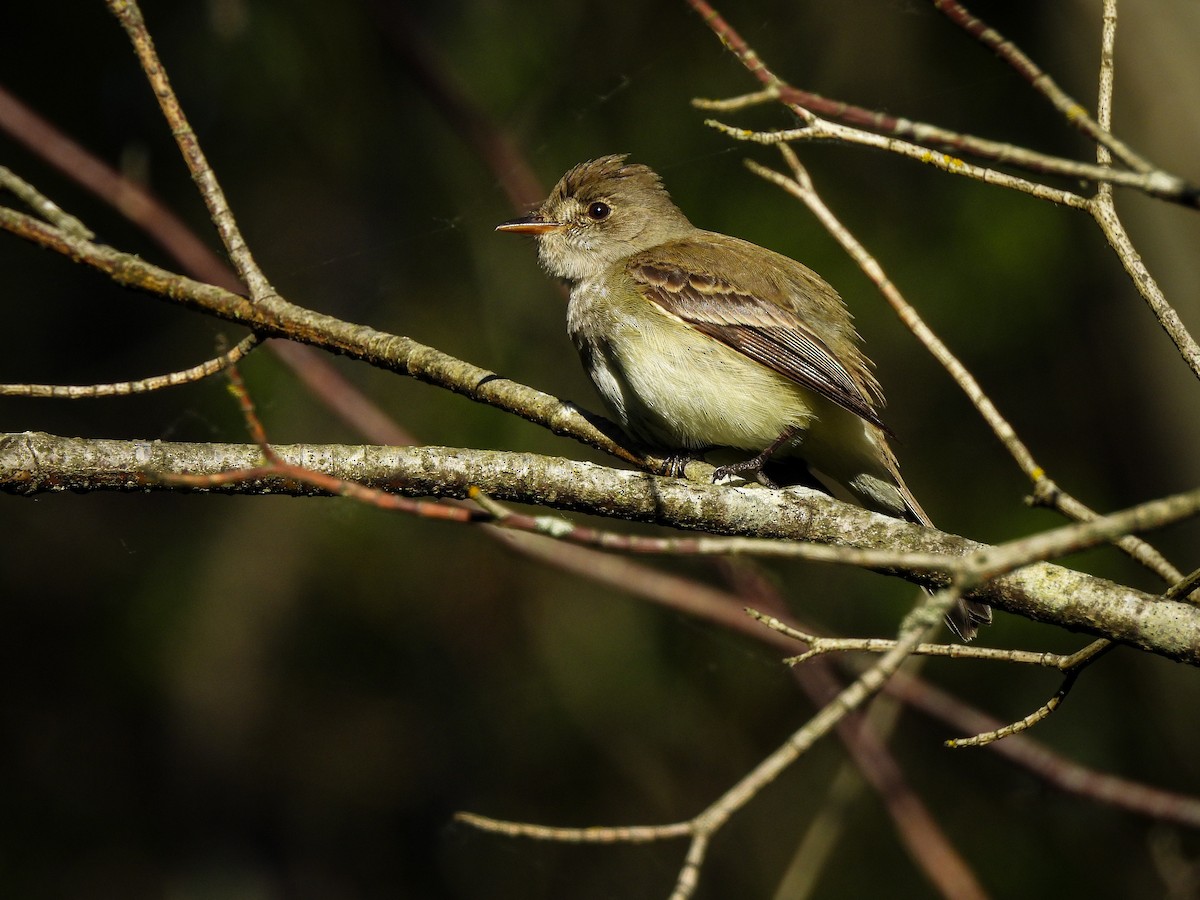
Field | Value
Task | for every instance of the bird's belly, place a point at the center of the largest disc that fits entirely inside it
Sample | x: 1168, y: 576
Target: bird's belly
x: 675, y: 388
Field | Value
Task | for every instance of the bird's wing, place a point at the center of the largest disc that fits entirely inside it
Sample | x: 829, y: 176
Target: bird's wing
x: 768, y: 333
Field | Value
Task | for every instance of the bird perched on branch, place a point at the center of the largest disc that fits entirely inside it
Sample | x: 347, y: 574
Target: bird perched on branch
x: 698, y: 340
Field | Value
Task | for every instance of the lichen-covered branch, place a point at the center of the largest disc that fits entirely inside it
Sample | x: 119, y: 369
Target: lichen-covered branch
x: 35, y: 463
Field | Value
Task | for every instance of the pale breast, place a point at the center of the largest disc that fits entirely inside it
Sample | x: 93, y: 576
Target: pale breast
x: 671, y: 386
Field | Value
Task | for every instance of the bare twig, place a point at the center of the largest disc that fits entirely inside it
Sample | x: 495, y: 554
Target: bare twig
x: 1185, y: 588
x: 970, y: 571
x: 1103, y: 209
x: 130, y: 16
x: 32, y: 463
x: 1078, y: 662
x: 1153, y: 182
x: 1071, y: 666
x: 1157, y: 183
x: 275, y: 317
x: 701, y: 828
x: 819, y: 646
x: 43, y: 205
x: 1100, y: 206
x: 559, y: 528
x: 817, y: 129
x: 800, y: 186
x: 1071, y: 110
x: 123, y: 388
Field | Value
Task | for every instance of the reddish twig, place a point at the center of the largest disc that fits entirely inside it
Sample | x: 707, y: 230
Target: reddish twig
x: 1074, y: 112
x: 1153, y: 182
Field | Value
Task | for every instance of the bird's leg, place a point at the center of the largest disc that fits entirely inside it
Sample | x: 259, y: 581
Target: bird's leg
x: 754, y: 465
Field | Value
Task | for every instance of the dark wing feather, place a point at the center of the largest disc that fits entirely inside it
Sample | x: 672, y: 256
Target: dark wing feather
x: 766, y: 332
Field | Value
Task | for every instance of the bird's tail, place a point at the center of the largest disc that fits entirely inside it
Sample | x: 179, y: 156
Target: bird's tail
x: 893, y: 498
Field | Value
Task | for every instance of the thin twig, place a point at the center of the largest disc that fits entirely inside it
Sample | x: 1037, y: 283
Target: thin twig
x: 925, y: 616
x: 1103, y: 209
x: 1072, y: 110
x: 275, y: 317
x: 558, y: 528
x: 1158, y: 183
x: 43, y: 205
x: 818, y: 129
x: 593, y: 834
x: 1071, y: 665
x: 1077, y: 662
x: 1154, y: 182
x: 1090, y: 654
x: 800, y: 186
x: 818, y: 646
x: 161, y: 225
x: 124, y: 388
x: 130, y: 16
x: 1185, y: 589
x: 971, y: 570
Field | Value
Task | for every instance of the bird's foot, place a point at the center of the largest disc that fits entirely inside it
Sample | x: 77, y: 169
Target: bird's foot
x: 749, y: 468
x: 755, y: 465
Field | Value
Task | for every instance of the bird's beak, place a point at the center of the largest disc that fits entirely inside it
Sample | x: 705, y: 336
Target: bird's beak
x: 530, y: 224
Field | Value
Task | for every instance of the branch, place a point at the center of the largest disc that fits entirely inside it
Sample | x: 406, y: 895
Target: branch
x: 1103, y: 209
x: 122, y: 388
x: 33, y: 463
x: 1100, y: 206
x: 1154, y: 182
x: 958, y: 881
x: 273, y: 316
x: 1072, y: 111
x: 1046, y: 491
x: 818, y: 129
x: 631, y: 577
x: 130, y: 17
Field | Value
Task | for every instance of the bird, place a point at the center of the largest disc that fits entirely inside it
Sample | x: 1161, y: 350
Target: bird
x: 700, y: 341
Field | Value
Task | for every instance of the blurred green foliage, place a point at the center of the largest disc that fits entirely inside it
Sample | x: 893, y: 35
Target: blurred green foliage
x: 216, y: 697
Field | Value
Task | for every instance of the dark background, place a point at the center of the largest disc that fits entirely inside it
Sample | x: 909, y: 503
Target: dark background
x: 245, y: 697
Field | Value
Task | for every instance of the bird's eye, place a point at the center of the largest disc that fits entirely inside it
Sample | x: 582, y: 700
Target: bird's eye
x: 598, y: 211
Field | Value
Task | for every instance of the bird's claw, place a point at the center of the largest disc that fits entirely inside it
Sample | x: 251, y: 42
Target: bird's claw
x: 749, y: 467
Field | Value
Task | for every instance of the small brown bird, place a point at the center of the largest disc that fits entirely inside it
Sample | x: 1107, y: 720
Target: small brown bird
x: 697, y: 341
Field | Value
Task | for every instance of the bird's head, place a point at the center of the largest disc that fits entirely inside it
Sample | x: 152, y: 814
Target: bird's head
x: 600, y: 212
